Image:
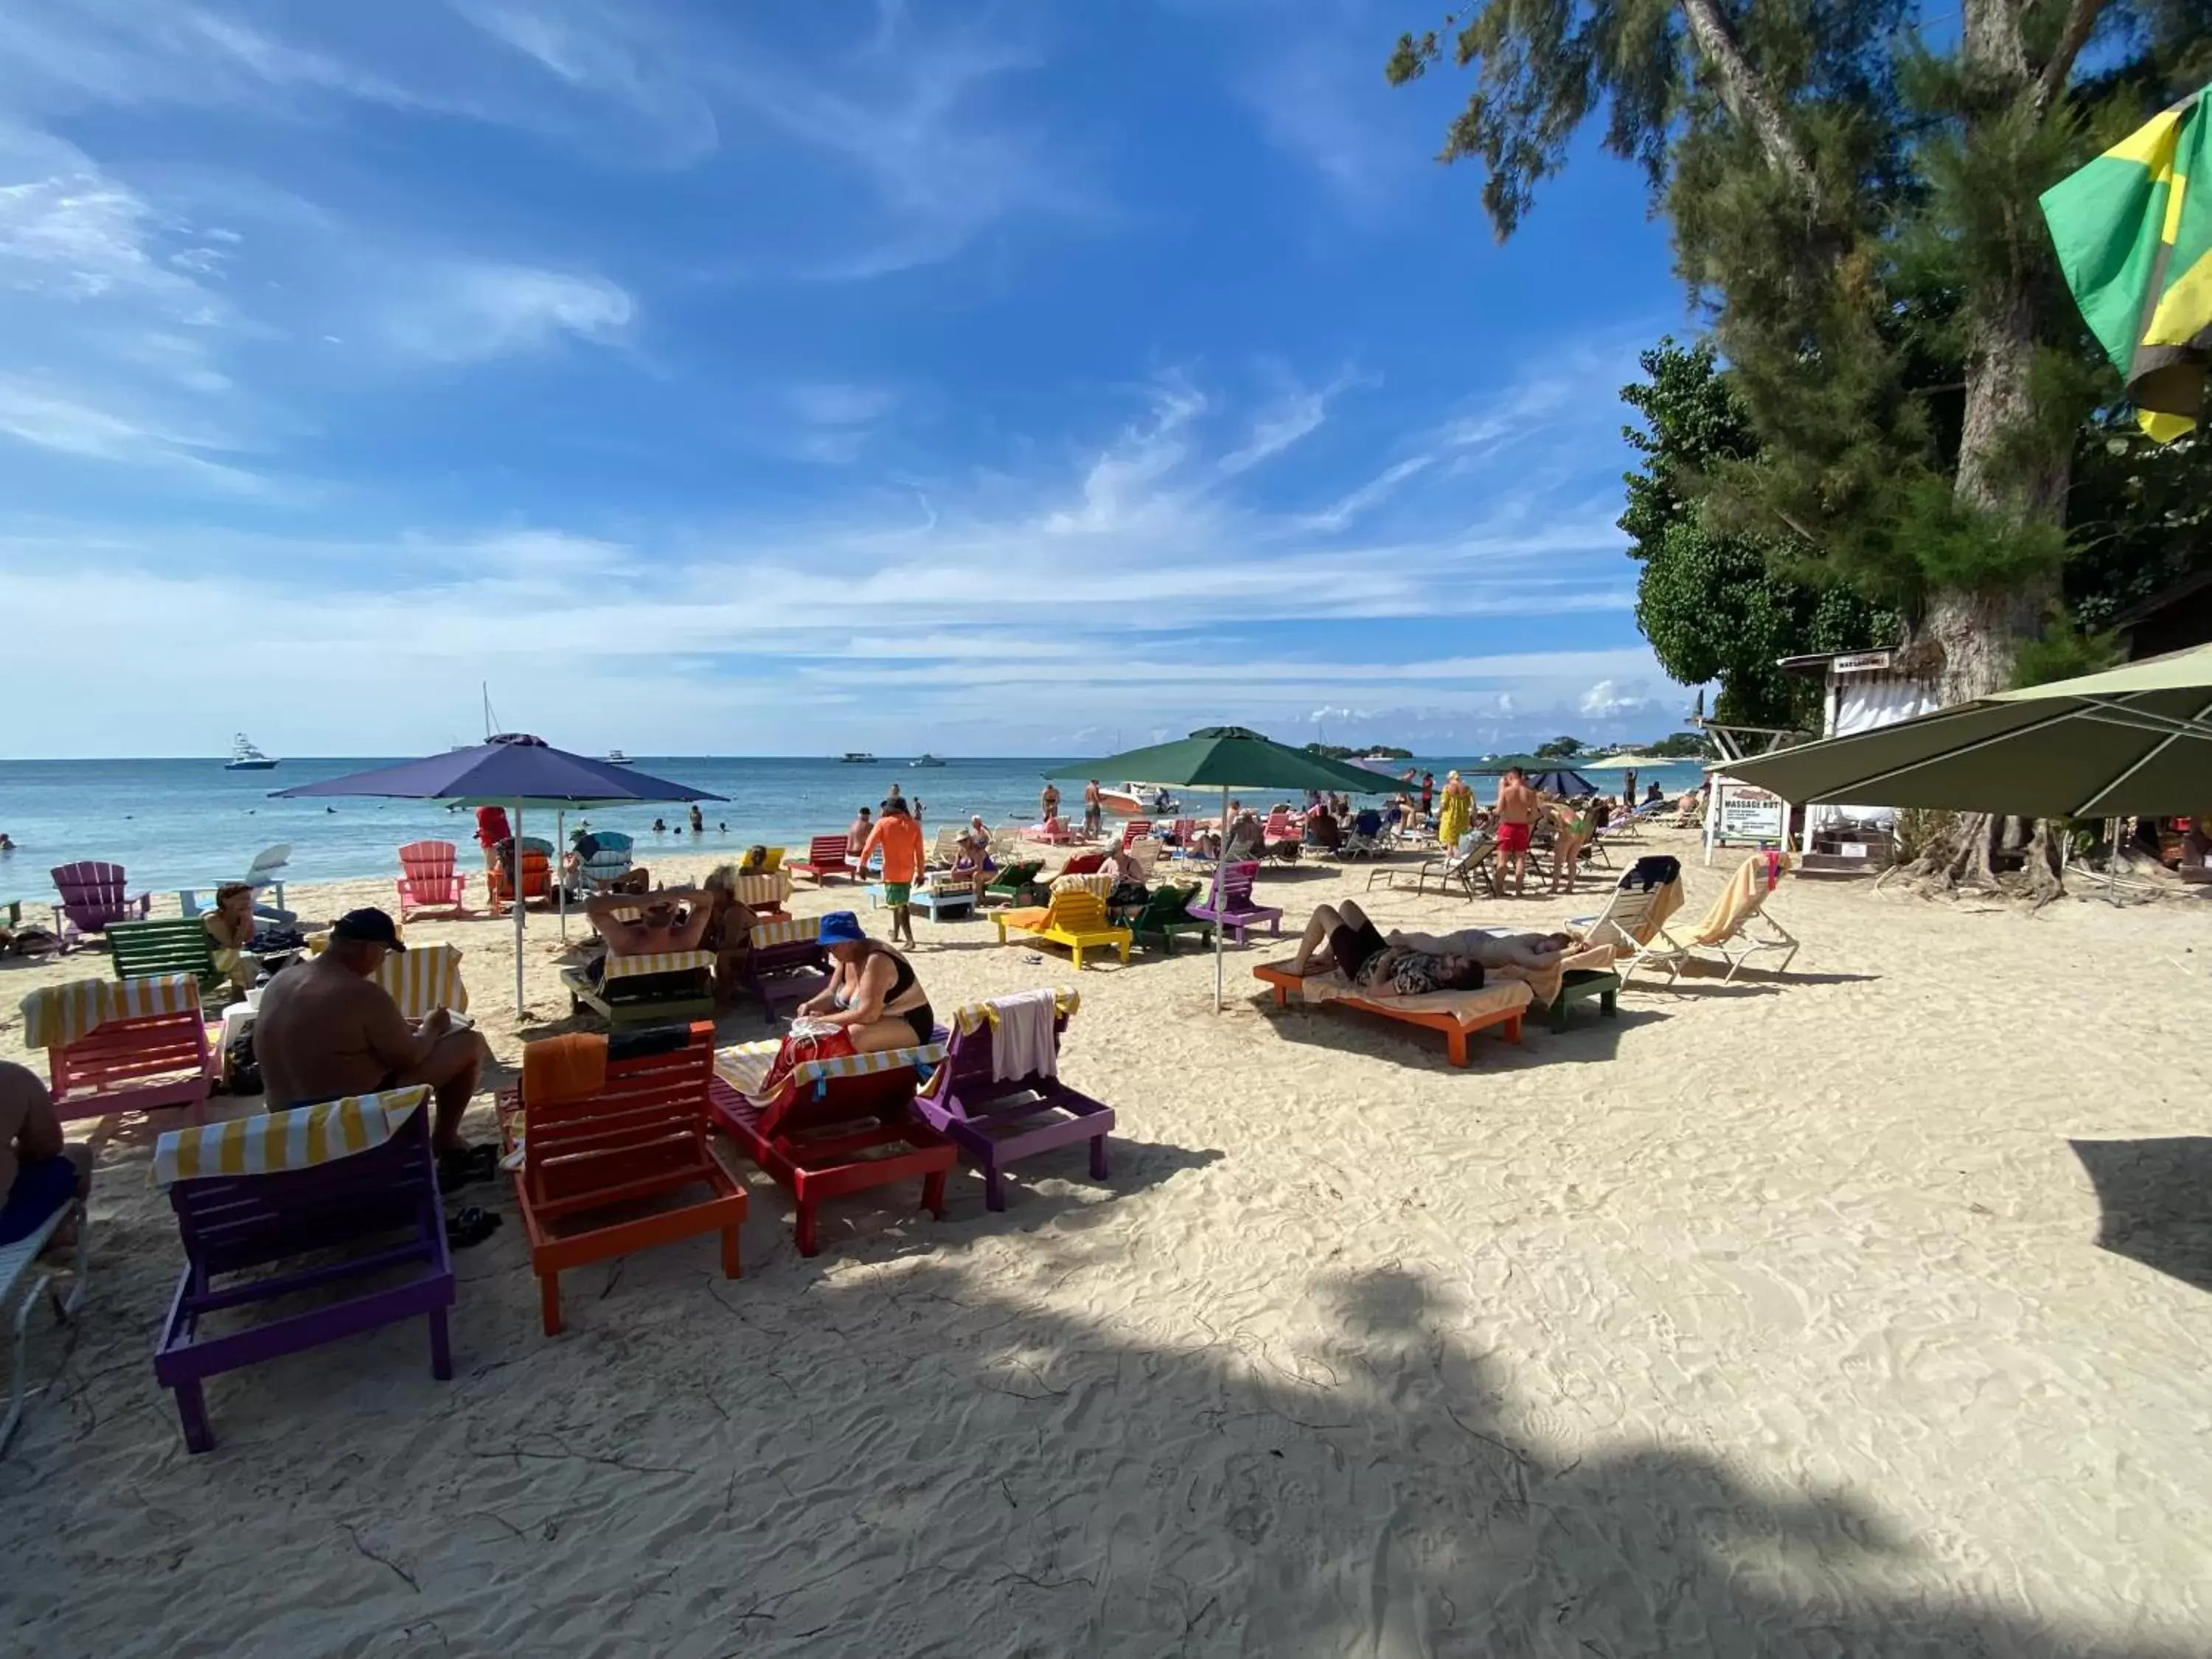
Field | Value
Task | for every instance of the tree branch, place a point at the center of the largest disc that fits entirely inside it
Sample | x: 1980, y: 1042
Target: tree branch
x: 1747, y: 99
x: 2080, y: 18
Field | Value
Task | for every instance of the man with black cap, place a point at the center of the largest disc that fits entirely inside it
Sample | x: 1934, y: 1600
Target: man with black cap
x: 325, y: 1028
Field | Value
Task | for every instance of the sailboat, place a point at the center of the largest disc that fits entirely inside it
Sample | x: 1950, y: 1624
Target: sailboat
x: 245, y: 757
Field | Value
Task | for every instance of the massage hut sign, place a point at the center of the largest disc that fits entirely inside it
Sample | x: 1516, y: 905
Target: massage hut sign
x: 1745, y: 815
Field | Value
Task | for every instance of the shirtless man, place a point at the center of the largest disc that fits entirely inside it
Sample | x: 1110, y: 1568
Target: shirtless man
x: 672, y: 919
x: 1519, y: 807
x: 1341, y: 936
x: 40, y: 1171
x: 326, y: 1029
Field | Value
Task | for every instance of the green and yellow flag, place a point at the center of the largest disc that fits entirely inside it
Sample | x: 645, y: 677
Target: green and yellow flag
x: 2134, y: 234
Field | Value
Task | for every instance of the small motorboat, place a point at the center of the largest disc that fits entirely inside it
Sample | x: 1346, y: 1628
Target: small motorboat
x: 1138, y: 800
x: 859, y: 757
x: 615, y: 758
x: 925, y: 760
x: 245, y: 757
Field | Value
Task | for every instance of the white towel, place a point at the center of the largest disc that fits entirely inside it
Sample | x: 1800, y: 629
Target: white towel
x: 1023, y: 1045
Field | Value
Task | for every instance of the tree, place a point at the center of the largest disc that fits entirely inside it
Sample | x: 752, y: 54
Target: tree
x: 1852, y: 196
x: 1682, y: 745
x: 1560, y: 749
x: 1714, y: 606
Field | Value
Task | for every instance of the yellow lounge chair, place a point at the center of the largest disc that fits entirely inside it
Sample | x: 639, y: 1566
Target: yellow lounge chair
x: 1075, y: 919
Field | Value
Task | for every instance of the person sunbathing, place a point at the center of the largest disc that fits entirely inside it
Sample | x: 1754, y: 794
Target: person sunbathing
x: 872, y: 990
x: 1409, y: 964
x: 645, y: 924
x: 40, y: 1171
x: 325, y: 1028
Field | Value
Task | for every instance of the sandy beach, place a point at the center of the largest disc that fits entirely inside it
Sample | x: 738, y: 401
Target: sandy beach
x: 1861, y: 1310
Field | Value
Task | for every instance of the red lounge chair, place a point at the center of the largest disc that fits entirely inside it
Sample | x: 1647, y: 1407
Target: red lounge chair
x: 429, y: 881
x: 641, y: 1136
x: 150, y: 1051
x: 92, y: 896
x: 825, y: 857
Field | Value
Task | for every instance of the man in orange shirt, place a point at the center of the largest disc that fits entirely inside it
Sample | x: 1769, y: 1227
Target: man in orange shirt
x: 900, y: 838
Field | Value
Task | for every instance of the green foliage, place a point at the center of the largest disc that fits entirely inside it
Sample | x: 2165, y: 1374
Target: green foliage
x: 1715, y: 605
x: 1337, y: 751
x: 1680, y: 745
x: 2142, y: 518
x: 1560, y: 749
x: 2062, y: 651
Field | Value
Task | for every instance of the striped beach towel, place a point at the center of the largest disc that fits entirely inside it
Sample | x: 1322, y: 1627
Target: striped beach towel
x: 1066, y: 1000
x: 792, y: 930
x: 428, y: 976
x: 656, y: 962
x: 297, y: 1140
x: 1100, y: 886
x: 744, y: 1066
x: 55, y: 1015
x: 763, y: 887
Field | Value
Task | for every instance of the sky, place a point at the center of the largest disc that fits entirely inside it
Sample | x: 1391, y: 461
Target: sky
x: 752, y: 378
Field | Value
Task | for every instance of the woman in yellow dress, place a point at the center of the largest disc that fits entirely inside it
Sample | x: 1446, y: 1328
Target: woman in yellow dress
x: 1457, y: 813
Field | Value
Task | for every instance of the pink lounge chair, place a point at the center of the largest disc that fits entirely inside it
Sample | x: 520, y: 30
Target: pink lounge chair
x: 429, y: 880
x: 1230, y: 906
x: 92, y: 896
x: 1135, y: 830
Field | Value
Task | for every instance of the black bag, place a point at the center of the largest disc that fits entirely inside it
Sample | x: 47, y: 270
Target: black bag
x: 241, y: 1069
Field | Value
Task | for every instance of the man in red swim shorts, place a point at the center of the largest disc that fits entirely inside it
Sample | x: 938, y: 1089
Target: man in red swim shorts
x: 1518, y: 808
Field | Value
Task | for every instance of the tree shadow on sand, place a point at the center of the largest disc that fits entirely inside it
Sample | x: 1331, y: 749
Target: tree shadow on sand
x: 2155, y: 1196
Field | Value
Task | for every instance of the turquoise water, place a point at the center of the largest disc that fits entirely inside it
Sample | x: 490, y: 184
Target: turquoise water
x: 187, y: 822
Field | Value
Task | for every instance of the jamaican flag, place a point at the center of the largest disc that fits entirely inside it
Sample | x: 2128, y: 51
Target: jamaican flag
x: 2134, y: 234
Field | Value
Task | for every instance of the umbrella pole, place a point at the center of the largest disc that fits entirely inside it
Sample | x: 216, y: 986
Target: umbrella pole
x: 560, y: 875
x: 515, y: 894
x: 1220, y: 863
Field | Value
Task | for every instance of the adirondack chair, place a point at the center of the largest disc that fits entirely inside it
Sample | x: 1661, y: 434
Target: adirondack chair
x: 615, y: 859
x: 764, y: 891
x: 1075, y: 918
x: 996, y: 1121
x: 1011, y: 881
x: 826, y: 859
x: 642, y: 1135
x: 93, y: 895
x: 1166, y: 915
x: 1083, y: 864
x: 535, y: 859
x: 841, y: 1125
x: 1279, y: 826
x: 428, y: 880
x: 134, y: 1045
x: 1135, y: 830
x: 355, y: 1203
x: 1230, y: 906
x: 142, y: 950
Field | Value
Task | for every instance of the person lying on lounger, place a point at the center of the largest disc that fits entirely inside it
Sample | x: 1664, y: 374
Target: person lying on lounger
x: 1340, y: 936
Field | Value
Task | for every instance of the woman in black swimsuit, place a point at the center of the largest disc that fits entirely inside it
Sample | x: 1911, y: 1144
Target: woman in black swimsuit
x: 873, y: 991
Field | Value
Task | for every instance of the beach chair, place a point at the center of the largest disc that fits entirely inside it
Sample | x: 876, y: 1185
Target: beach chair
x: 21, y: 1283
x: 1144, y: 856
x: 352, y: 1178
x: 837, y: 1126
x: 616, y: 857
x: 534, y: 858
x: 826, y: 859
x: 134, y: 1045
x: 997, y: 1118
x: 1134, y: 830
x: 1076, y: 919
x: 147, y: 950
x: 1364, y: 838
x: 639, y: 1135
x: 1458, y: 1014
x: 939, y: 895
x: 1633, y: 922
x: 1736, y: 929
x: 763, y: 893
x: 945, y: 851
x: 265, y: 874
x: 1167, y: 914
x: 660, y: 989
x: 786, y: 963
x: 1464, y: 866
x: 1229, y: 905
x: 426, y: 978
x: 429, y: 880
x: 1011, y: 881
x: 92, y: 896
x: 1053, y: 832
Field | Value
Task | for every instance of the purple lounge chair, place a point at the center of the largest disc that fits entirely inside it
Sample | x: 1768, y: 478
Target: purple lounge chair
x: 995, y: 1121
x: 382, y: 1203
x: 1229, y: 905
x: 92, y: 896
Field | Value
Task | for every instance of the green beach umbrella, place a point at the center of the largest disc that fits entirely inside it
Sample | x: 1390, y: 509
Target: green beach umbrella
x: 2131, y: 741
x: 2133, y: 230
x: 1226, y: 757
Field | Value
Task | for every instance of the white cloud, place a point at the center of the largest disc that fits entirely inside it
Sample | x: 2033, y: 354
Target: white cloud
x: 1606, y: 701
x: 468, y: 311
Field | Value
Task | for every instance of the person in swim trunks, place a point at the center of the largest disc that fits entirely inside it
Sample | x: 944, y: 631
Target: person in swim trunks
x: 40, y: 1171
x: 1519, y: 807
x: 873, y: 991
x: 1410, y: 963
x: 900, y: 839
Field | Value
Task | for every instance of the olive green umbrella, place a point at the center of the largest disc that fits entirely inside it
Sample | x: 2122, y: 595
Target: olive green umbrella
x: 1226, y: 757
x: 2131, y: 741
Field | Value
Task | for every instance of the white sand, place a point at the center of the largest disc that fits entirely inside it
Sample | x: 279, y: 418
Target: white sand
x: 1769, y: 1320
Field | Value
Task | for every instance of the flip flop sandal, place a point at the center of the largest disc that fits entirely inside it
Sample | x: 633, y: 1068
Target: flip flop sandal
x: 470, y: 1226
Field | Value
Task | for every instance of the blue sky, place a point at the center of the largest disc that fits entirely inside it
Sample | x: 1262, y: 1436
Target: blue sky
x: 753, y: 378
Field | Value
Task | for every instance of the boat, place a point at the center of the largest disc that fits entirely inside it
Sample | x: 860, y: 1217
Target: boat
x: 1138, y: 800
x: 921, y: 760
x: 859, y: 757
x: 245, y: 757
x: 615, y: 758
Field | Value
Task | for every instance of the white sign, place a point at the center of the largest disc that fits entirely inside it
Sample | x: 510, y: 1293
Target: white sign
x: 1750, y: 814
x: 1861, y: 662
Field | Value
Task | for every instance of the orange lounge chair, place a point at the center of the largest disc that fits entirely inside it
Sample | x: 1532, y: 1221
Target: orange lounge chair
x: 536, y: 859
x: 1457, y: 1014
x: 639, y: 1135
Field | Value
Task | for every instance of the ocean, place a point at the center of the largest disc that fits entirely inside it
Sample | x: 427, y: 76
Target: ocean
x: 177, y: 824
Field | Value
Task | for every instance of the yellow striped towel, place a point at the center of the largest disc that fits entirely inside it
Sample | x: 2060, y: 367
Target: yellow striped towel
x: 744, y: 1066
x: 1101, y: 886
x: 763, y: 887
x: 57, y: 1015
x: 297, y: 1140
x: 1066, y: 1000
x: 792, y: 930
x: 657, y: 962
x: 428, y: 976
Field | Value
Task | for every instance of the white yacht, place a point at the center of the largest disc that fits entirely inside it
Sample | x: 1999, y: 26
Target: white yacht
x: 245, y: 757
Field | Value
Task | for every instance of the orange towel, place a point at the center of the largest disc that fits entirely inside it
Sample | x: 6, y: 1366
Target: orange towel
x: 564, y: 1067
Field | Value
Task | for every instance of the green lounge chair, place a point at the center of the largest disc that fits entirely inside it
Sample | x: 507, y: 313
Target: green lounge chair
x: 1012, y: 882
x: 142, y: 950
x: 1165, y: 915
